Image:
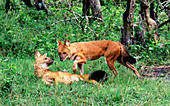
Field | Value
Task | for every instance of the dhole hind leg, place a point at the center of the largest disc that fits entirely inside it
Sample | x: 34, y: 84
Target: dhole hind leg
x: 81, y: 69
x: 133, y: 68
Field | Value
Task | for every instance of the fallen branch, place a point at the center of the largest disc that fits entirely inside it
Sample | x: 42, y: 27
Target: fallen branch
x: 82, y: 17
x: 168, y: 21
x: 79, y: 23
x: 34, y: 30
x: 59, y: 22
x: 75, y: 18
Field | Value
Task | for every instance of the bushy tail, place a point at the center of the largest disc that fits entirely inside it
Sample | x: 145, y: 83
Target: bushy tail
x: 99, y: 76
x: 124, y: 56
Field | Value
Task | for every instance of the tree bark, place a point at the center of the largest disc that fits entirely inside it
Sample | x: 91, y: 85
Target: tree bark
x: 86, y: 7
x: 40, y: 5
x: 153, y: 14
x: 28, y: 3
x: 128, y: 18
x: 94, y: 5
x: 9, y: 5
x: 145, y: 14
x: 139, y: 32
x: 147, y: 22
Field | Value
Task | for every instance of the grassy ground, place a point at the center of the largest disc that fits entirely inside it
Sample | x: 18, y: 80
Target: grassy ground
x: 19, y: 86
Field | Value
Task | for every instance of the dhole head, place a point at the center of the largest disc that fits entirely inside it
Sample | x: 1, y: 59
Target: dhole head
x: 43, y: 59
x: 63, y: 50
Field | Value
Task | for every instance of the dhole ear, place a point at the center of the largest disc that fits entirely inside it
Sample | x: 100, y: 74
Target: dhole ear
x: 37, y: 54
x: 67, y: 42
x: 45, y: 55
x: 59, y: 42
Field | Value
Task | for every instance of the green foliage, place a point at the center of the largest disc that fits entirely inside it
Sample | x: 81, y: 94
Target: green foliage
x: 22, y: 31
x: 153, y: 53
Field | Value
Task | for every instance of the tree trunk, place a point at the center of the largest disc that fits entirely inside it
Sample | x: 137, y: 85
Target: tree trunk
x: 145, y: 14
x: 147, y: 22
x: 86, y: 7
x: 128, y: 18
x: 95, y: 7
x: 139, y: 32
x: 40, y: 5
x: 28, y: 3
x: 9, y: 5
x: 153, y: 14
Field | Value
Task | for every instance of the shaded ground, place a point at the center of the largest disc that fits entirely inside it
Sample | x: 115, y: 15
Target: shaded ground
x: 156, y: 72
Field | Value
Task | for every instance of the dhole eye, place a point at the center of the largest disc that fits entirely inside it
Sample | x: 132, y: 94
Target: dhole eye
x: 64, y: 53
x: 45, y: 58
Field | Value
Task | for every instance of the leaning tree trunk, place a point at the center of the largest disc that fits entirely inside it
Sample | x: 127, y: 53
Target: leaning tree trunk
x: 145, y: 15
x: 147, y: 23
x: 94, y: 5
x: 128, y: 18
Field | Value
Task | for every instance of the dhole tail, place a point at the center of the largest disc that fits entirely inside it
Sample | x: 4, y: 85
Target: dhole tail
x: 98, y: 76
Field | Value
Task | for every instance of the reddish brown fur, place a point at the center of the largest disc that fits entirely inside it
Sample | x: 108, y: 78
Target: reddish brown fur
x: 41, y: 68
x: 80, y: 52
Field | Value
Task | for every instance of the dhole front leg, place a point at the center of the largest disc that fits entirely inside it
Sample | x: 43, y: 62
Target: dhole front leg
x: 75, y: 68
x: 81, y: 69
x: 133, y: 68
x: 80, y: 63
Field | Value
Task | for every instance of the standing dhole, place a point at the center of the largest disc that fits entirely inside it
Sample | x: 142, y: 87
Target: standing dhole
x: 80, y: 52
x: 41, y: 68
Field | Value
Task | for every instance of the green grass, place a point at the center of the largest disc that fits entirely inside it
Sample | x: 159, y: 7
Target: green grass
x: 19, y: 86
